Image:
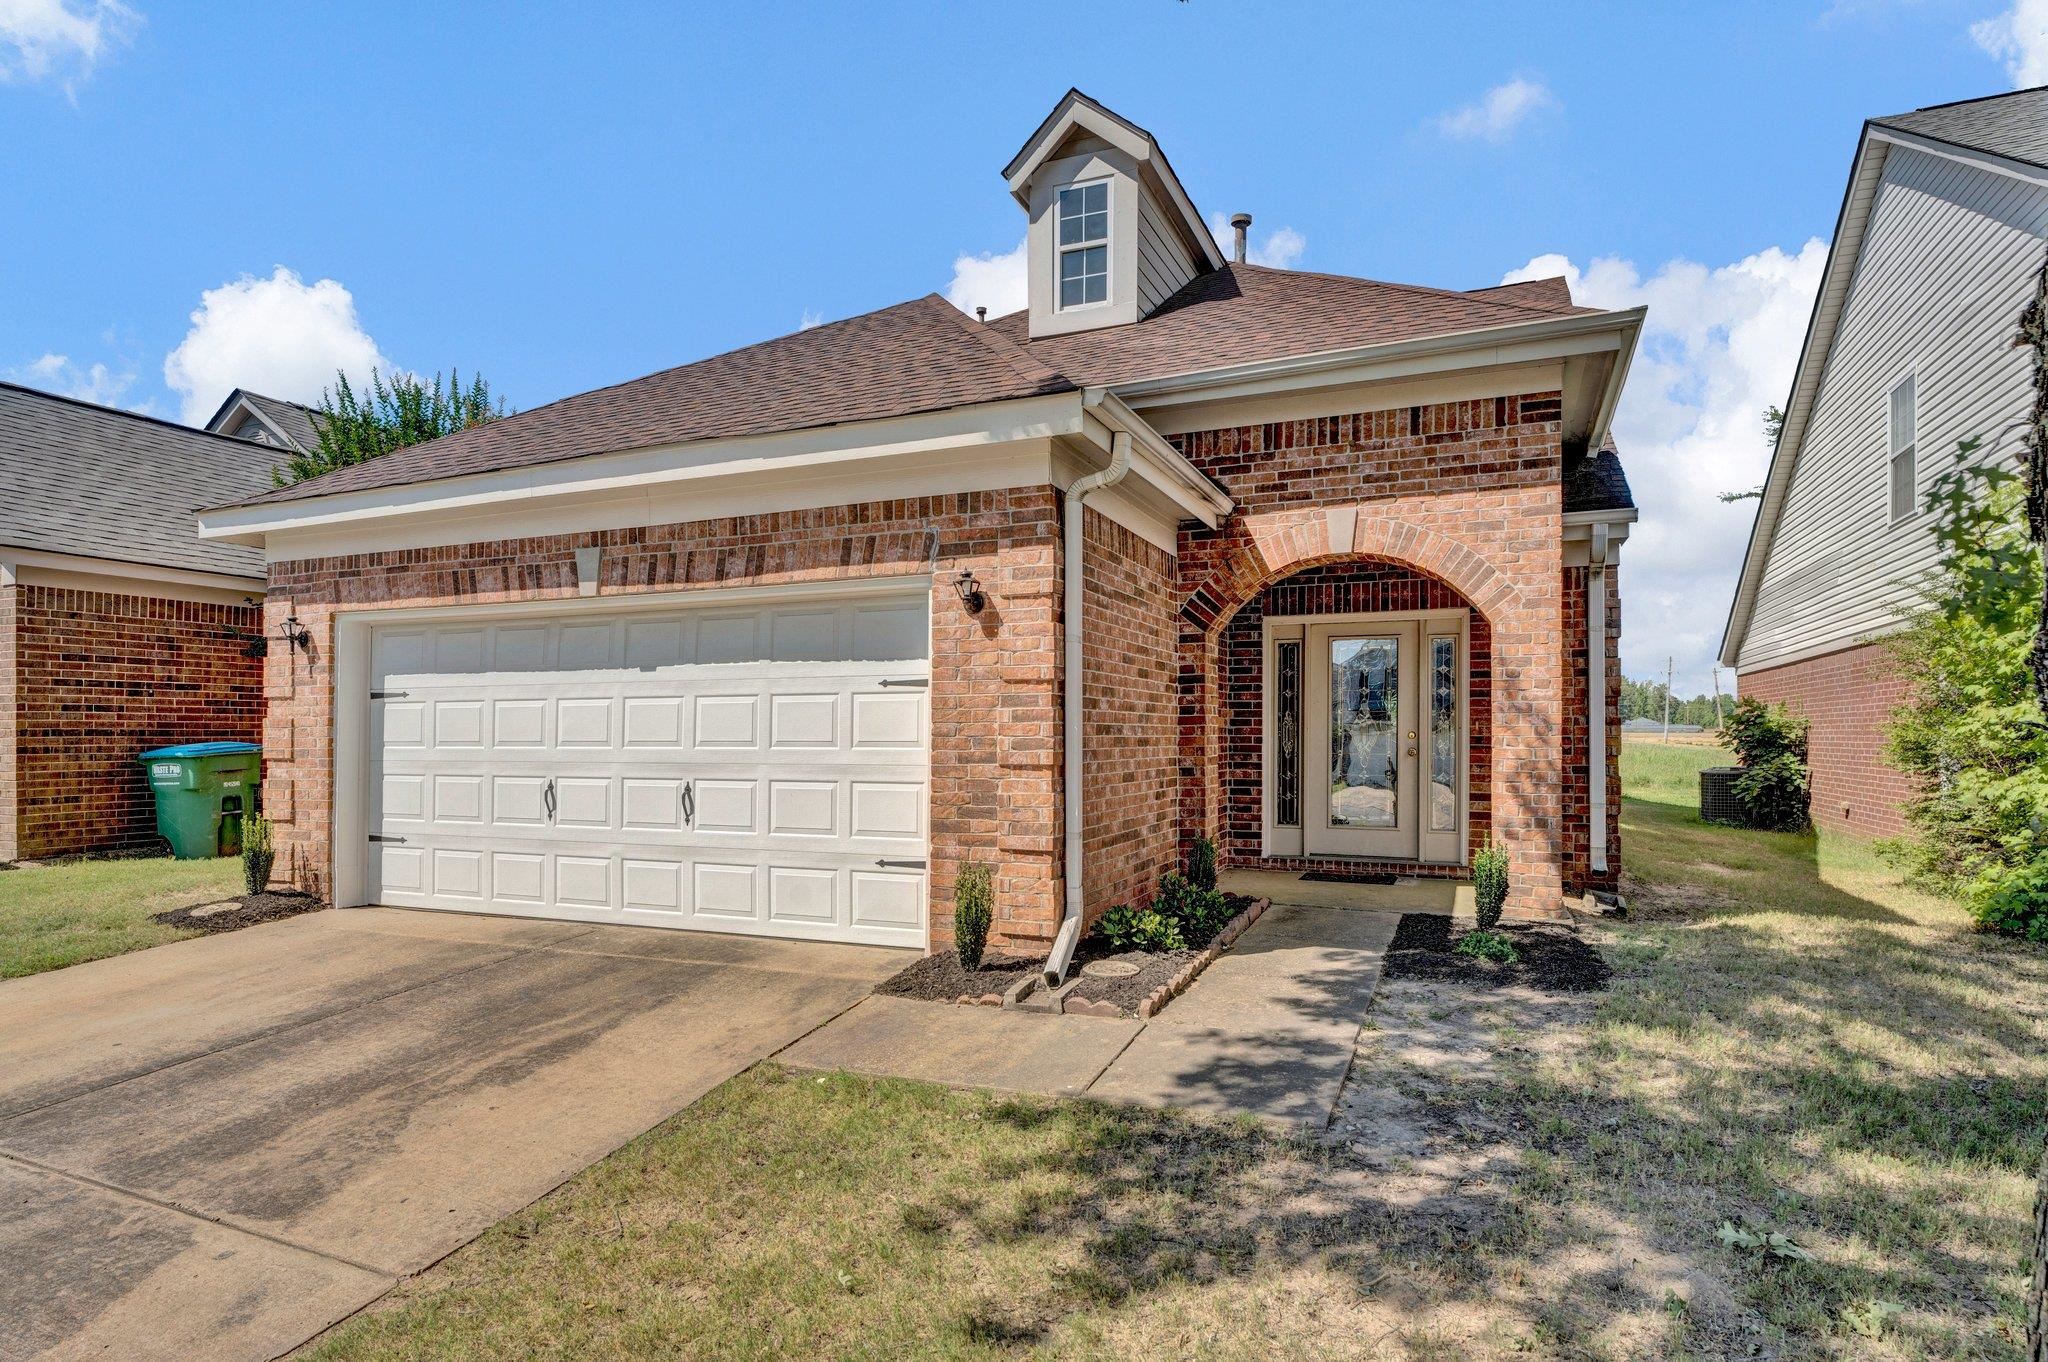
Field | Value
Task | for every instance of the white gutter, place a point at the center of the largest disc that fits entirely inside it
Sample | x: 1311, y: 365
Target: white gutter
x: 1070, y: 716
x: 1596, y: 692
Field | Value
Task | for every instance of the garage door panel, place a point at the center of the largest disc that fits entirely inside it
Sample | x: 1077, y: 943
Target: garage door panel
x: 727, y: 770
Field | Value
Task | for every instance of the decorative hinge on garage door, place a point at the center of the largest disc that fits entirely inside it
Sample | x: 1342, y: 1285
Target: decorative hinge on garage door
x: 918, y: 681
x: 387, y: 694
x: 380, y: 837
x: 901, y: 865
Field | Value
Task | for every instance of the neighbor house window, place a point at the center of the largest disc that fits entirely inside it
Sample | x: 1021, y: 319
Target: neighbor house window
x: 1904, y: 482
x: 1084, y: 244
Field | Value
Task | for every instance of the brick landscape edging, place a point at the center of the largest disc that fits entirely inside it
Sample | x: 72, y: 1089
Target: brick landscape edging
x: 1177, y: 985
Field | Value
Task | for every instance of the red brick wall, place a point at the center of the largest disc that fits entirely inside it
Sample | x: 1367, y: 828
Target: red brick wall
x: 1578, y: 847
x: 1468, y: 493
x: 10, y: 784
x: 995, y: 676
x: 1849, y: 696
x: 1130, y: 762
x: 101, y: 677
x: 1362, y: 587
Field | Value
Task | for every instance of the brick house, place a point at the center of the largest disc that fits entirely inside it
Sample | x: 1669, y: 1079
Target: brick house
x: 1943, y: 227
x: 120, y: 629
x: 776, y: 641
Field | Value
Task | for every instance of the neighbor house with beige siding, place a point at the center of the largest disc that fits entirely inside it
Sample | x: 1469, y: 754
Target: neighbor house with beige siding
x: 1908, y: 354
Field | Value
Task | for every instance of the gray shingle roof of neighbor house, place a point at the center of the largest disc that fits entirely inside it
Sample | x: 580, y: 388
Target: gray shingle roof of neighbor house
x: 925, y: 355
x: 2013, y: 125
x: 293, y: 419
x: 1599, y: 484
x: 95, y: 482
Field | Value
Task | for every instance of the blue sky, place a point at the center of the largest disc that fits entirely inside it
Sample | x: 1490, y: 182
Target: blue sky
x: 578, y: 196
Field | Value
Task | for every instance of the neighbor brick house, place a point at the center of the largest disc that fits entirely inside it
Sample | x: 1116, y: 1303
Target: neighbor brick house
x: 120, y: 629
x: 777, y: 641
x: 1943, y: 230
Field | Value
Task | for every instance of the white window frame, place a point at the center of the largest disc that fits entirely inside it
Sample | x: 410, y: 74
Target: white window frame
x: 1909, y: 452
x: 1061, y: 249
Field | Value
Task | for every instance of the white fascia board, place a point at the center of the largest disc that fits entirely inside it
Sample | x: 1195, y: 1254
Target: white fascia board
x: 1158, y: 462
x: 138, y: 572
x: 1520, y: 343
x: 764, y: 456
x: 1844, y: 252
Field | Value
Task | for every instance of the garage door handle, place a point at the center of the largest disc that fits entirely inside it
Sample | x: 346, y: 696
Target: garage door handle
x: 689, y: 804
x: 547, y: 798
x: 918, y: 682
x: 380, y: 837
x: 901, y: 865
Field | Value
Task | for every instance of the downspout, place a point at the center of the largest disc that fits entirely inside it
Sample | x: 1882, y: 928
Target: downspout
x: 1069, y: 935
x: 1596, y: 693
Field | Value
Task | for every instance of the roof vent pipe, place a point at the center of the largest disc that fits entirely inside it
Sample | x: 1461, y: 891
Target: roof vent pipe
x: 981, y: 314
x: 1240, y: 223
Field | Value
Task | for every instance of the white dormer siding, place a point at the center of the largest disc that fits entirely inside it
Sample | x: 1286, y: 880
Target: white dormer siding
x: 1156, y: 240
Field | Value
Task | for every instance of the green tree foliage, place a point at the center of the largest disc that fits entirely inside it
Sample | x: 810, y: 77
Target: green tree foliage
x: 1645, y: 700
x: 1971, y: 731
x: 1770, y: 744
x: 405, y: 411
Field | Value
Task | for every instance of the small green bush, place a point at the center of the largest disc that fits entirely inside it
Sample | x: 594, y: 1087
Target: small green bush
x: 259, y: 852
x: 1199, y: 913
x: 1489, y: 883
x: 1202, y: 863
x: 1487, y: 945
x: 1771, y: 746
x: 973, y: 910
x: 2011, y: 898
x: 1139, y: 929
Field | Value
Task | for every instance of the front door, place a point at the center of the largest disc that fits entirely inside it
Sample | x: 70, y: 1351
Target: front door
x: 1363, y: 748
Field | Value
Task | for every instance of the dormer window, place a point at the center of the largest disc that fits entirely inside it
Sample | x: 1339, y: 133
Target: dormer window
x: 1084, y: 244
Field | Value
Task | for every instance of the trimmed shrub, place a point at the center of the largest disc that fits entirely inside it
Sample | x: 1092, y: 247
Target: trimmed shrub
x: 1202, y: 863
x: 259, y: 852
x: 1199, y: 913
x: 1139, y: 929
x: 973, y: 910
x: 1489, y: 883
x: 1771, y: 746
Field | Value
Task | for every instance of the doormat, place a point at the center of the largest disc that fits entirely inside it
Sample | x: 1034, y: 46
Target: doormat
x: 1347, y: 877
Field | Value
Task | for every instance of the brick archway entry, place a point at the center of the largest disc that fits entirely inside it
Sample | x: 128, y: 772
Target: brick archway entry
x: 1511, y: 586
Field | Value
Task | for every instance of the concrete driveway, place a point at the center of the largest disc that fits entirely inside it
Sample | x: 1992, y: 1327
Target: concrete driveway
x: 218, y: 1147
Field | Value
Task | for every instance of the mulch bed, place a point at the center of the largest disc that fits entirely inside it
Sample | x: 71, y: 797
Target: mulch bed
x: 244, y: 910
x: 1554, y: 959
x: 1155, y: 969
x: 940, y: 977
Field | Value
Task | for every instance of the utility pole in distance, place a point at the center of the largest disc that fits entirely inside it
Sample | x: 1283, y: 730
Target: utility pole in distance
x: 1667, y: 698
x: 1717, y: 695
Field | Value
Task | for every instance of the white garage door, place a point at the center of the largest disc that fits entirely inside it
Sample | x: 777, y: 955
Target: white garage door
x: 733, y: 770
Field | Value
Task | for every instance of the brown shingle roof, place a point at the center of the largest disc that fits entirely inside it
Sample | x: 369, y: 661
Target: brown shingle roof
x: 924, y: 355
x: 918, y: 356
x: 1244, y: 313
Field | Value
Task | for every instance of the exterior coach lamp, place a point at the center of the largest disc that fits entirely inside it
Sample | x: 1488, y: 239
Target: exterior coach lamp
x: 970, y: 591
x: 296, y: 635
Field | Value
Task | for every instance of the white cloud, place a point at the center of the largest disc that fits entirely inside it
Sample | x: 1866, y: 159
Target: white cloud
x: 810, y: 319
x: 40, y: 39
x: 278, y: 336
x: 1498, y: 112
x: 56, y: 373
x: 1279, y: 249
x: 2019, y: 38
x: 997, y: 282
x: 1718, y: 347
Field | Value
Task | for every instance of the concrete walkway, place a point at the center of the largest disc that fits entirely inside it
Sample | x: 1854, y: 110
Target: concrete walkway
x: 1266, y: 1031
x: 216, y: 1148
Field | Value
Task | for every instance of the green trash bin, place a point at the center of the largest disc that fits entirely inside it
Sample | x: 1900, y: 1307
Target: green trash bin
x: 203, y: 790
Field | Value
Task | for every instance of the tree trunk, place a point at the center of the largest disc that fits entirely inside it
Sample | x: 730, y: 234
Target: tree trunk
x: 2037, y: 1300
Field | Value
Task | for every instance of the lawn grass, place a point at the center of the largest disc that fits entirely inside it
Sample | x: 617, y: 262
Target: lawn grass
x: 1793, y: 1040
x: 73, y: 911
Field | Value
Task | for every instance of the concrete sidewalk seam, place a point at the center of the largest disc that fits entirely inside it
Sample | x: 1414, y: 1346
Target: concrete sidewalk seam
x: 86, y: 1179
